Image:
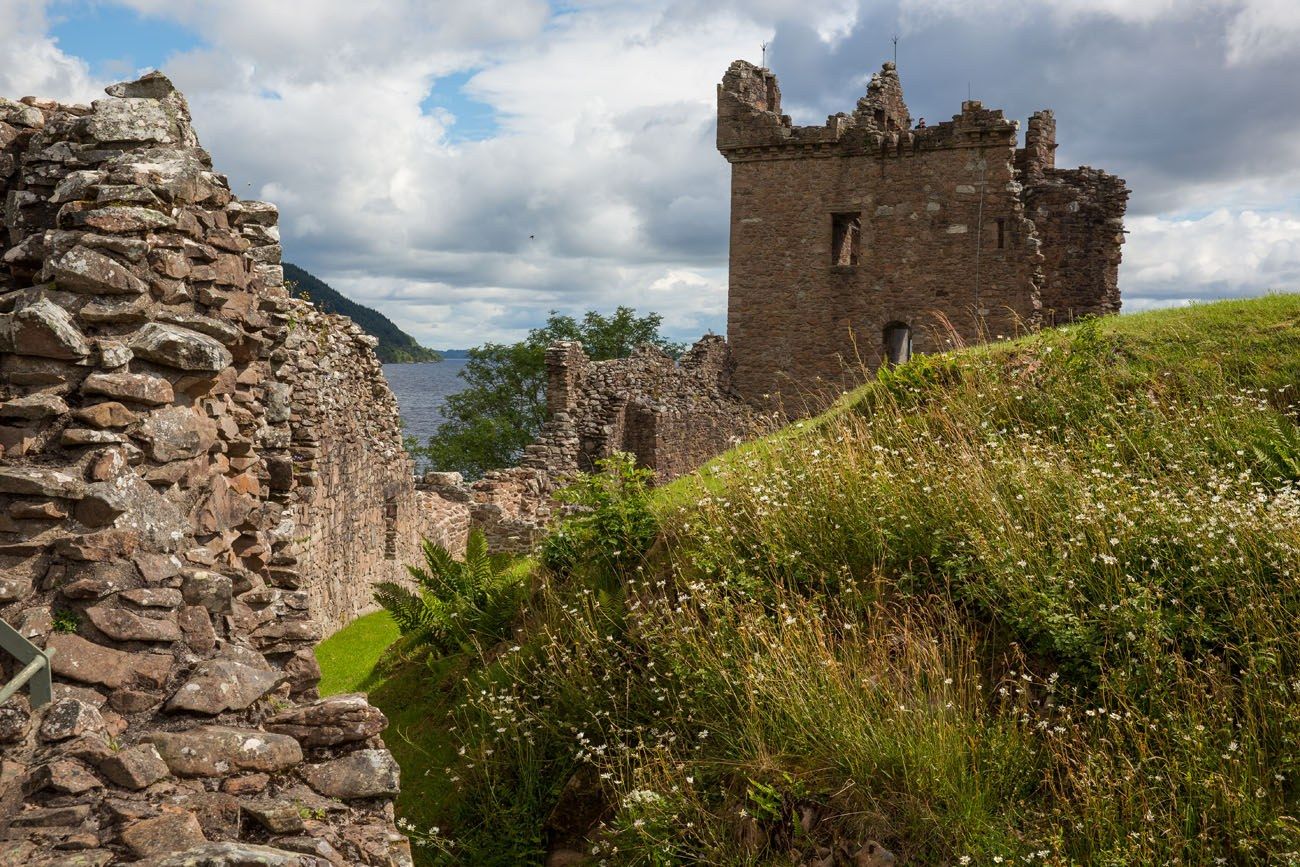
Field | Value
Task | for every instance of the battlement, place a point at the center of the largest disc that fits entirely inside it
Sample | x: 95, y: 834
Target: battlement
x: 751, y: 126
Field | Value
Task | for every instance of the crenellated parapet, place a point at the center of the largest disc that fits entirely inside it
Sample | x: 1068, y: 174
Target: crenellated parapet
x: 751, y: 127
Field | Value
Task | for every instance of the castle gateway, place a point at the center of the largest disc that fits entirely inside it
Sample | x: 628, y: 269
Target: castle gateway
x: 862, y: 241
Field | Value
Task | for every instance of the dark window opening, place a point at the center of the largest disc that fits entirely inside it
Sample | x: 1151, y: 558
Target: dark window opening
x: 1002, y: 234
x: 898, y: 343
x: 846, y: 231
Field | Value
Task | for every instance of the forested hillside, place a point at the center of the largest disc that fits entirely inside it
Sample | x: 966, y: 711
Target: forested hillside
x: 395, y: 345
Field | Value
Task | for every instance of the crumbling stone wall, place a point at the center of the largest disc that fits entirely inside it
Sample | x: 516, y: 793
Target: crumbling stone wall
x: 672, y: 416
x: 846, y: 235
x: 357, y: 516
x: 1079, y: 216
x: 190, y: 497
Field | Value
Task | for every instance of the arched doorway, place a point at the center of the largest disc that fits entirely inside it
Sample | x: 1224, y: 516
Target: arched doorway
x: 898, y: 342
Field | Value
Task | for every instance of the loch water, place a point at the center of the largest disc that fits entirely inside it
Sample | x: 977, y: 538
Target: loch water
x: 421, y: 389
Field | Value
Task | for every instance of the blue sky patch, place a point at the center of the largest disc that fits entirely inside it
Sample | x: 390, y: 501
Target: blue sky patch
x: 475, y: 120
x: 116, y: 41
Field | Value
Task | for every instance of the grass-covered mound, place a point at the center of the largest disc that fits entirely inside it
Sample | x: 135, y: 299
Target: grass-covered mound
x: 1028, y: 603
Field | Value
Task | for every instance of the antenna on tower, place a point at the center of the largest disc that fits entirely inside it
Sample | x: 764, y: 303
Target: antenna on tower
x: 765, y: 55
x: 895, y: 41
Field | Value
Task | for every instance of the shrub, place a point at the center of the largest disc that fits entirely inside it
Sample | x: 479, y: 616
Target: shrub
x: 458, y: 605
x: 612, y: 525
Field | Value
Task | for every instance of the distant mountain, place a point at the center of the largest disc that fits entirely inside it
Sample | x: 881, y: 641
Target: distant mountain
x: 395, y: 345
x: 454, y: 353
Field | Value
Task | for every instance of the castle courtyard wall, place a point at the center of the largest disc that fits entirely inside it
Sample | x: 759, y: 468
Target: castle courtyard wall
x: 200, y: 477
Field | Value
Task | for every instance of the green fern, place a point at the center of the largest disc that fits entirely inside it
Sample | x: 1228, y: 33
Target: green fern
x: 457, y: 604
x: 1281, y: 452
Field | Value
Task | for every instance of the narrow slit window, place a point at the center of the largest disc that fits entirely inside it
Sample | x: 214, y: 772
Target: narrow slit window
x: 390, y: 527
x: 846, y: 232
x: 1002, y: 233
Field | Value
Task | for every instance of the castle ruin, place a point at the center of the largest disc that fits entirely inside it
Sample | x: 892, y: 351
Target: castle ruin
x: 200, y: 477
x: 865, y: 240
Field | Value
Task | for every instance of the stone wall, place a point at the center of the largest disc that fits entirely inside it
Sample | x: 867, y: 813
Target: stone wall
x: 200, y: 477
x: 868, y: 226
x: 1079, y: 215
x: 672, y: 416
x: 356, y: 515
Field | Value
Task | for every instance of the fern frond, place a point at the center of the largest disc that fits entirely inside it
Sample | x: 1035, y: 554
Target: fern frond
x: 405, y: 607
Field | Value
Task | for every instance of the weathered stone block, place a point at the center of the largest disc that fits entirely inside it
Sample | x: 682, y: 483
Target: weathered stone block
x: 130, y: 120
x: 40, y: 481
x: 122, y: 625
x: 219, y: 685
x: 34, y: 407
x: 135, y: 767
x: 178, y: 347
x: 211, y: 590
x: 134, y: 387
x: 70, y: 718
x: 106, y: 415
x: 163, y: 835
x: 85, y: 270
x: 83, y: 661
x: 330, y: 721
x: 215, y: 751
x: 362, y: 774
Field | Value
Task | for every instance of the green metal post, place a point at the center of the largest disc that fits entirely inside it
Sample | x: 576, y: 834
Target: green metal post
x: 36, y: 668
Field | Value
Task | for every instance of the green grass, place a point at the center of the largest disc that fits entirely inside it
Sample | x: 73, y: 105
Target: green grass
x: 361, y: 658
x: 348, y: 657
x: 1032, y: 602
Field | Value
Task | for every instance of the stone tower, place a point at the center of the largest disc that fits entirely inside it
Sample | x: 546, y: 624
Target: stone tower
x: 862, y: 241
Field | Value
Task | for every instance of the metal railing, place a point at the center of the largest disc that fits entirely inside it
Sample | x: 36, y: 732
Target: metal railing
x: 36, y: 667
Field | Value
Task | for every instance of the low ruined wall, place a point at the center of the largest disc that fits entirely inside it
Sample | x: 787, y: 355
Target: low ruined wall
x: 190, y: 497
x: 672, y: 416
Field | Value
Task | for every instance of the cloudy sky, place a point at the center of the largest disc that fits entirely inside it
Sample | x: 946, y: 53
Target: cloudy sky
x: 467, y: 166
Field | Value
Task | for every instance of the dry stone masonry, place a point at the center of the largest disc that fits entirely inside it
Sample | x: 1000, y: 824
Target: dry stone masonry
x: 861, y: 241
x: 672, y: 416
x: 200, y: 477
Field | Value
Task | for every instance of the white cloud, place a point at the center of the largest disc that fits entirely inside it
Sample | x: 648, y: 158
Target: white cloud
x: 1263, y: 29
x: 602, y: 185
x: 1221, y: 254
x: 31, y: 64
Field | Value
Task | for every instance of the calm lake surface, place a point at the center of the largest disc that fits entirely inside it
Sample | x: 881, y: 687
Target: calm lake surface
x: 421, y: 389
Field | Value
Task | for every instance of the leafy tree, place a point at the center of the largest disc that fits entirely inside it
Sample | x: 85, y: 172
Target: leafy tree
x: 488, y: 423
x: 458, y: 604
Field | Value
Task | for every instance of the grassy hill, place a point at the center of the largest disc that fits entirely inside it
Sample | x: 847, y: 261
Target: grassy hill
x: 1029, y: 603
x: 395, y: 345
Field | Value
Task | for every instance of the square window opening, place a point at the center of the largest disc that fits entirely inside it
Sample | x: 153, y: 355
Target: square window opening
x: 846, y: 235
